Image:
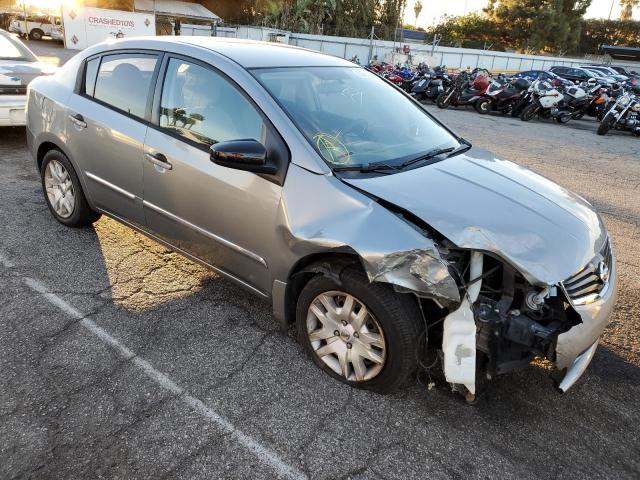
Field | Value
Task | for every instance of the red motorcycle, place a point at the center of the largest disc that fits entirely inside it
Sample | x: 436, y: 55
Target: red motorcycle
x: 502, y: 97
x: 466, y: 89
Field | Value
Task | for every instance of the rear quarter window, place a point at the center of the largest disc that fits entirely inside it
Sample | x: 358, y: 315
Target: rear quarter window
x: 90, y: 75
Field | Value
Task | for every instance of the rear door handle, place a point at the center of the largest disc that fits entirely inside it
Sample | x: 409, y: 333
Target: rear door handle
x: 78, y: 120
x: 159, y: 160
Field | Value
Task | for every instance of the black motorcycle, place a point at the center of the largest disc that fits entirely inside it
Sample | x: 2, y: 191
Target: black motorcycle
x: 623, y: 115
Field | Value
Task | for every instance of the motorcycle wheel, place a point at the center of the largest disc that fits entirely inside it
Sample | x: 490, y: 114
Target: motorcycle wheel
x: 563, y: 118
x: 545, y: 113
x: 529, y: 112
x: 483, y: 106
x: 605, y: 125
x: 444, y: 100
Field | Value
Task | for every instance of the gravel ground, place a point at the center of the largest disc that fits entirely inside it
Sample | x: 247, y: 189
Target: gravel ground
x: 121, y: 359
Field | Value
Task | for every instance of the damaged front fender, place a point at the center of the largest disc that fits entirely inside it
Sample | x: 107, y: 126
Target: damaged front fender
x: 336, y: 218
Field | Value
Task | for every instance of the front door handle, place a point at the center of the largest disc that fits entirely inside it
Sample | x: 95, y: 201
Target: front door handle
x: 78, y: 120
x: 159, y: 160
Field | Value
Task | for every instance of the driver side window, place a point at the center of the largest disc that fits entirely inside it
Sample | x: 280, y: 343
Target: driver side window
x: 201, y: 106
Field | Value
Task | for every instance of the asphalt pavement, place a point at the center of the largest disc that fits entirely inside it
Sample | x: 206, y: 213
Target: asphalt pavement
x: 121, y: 359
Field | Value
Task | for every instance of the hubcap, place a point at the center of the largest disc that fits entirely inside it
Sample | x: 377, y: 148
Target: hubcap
x: 346, y: 336
x: 59, y: 188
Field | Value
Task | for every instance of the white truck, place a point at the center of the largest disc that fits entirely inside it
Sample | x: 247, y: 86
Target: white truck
x: 37, y: 26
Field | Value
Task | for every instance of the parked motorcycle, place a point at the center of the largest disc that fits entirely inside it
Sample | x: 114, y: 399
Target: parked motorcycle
x: 546, y: 100
x: 623, y: 115
x: 465, y: 90
x: 502, y: 97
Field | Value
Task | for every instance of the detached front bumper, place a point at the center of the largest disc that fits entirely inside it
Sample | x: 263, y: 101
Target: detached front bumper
x: 12, y: 110
x: 575, y: 348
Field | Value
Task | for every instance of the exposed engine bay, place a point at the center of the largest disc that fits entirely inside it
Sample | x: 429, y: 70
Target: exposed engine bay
x: 502, y: 323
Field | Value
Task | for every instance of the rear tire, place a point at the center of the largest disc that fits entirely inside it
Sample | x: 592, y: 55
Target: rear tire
x: 395, y: 316
x: 605, y: 125
x: 483, y: 106
x: 529, y: 112
x: 81, y: 214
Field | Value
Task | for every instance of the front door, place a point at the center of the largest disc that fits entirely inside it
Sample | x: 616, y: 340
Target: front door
x: 106, y: 130
x: 220, y: 215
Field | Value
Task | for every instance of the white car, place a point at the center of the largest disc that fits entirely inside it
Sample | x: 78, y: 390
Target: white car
x: 18, y: 66
x: 37, y: 26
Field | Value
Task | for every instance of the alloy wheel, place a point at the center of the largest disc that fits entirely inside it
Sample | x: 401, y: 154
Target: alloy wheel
x: 346, y: 336
x: 59, y: 188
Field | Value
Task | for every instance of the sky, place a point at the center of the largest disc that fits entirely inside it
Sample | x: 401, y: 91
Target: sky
x: 433, y: 10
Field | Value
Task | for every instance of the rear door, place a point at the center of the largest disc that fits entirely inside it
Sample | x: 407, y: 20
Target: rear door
x: 106, y: 125
x: 220, y: 215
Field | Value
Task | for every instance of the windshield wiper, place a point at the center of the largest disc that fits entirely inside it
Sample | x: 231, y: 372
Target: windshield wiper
x: 436, y: 153
x: 366, y: 167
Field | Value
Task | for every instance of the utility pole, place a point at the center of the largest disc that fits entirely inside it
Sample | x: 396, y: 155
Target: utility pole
x: 611, y: 9
x: 26, y: 26
x: 371, y: 43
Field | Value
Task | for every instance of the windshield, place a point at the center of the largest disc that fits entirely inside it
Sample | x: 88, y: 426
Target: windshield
x: 11, y: 49
x: 353, y: 117
x: 595, y: 73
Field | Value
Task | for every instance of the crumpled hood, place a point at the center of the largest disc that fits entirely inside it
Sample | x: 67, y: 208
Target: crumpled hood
x: 23, y: 71
x: 483, y: 203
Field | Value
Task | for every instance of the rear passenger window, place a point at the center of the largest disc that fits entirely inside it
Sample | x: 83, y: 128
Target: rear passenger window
x: 90, y: 74
x: 124, y: 81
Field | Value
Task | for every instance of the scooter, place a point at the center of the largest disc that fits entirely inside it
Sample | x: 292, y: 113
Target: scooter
x: 431, y: 84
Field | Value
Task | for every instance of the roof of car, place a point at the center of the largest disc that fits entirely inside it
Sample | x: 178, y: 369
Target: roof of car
x: 253, y: 54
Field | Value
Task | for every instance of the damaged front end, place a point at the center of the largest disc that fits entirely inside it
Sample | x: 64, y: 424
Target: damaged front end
x: 491, y: 303
x: 504, y: 323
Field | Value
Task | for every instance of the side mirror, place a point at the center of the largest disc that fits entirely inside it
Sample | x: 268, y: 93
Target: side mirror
x: 248, y: 155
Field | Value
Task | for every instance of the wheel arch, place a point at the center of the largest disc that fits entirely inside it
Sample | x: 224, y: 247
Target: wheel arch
x: 329, y: 263
x: 48, y: 143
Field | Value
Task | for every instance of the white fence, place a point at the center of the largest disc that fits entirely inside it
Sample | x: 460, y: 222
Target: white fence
x: 450, y: 56
x: 364, y: 49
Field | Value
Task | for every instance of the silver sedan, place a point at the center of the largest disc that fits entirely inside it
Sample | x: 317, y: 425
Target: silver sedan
x: 387, y: 239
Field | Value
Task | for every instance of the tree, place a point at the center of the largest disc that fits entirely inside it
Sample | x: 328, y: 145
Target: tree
x: 539, y: 25
x: 627, y: 8
x: 417, y: 8
x: 471, y: 31
x: 598, y: 32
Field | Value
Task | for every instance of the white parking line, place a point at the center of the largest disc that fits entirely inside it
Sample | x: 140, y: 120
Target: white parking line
x: 266, y: 455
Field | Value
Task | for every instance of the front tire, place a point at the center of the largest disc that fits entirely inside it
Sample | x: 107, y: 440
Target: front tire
x: 444, y: 99
x: 529, y: 112
x: 364, y: 334
x: 483, y: 106
x: 605, y: 125
x: 63, y: 191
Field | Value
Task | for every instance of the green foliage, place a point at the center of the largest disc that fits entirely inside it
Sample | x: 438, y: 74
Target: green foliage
x: 469, y: 31
x: 539, y: 25
x: 608, y: 32
x: 627, y: 8
x: 485, y: 31
x: 417, y: 8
